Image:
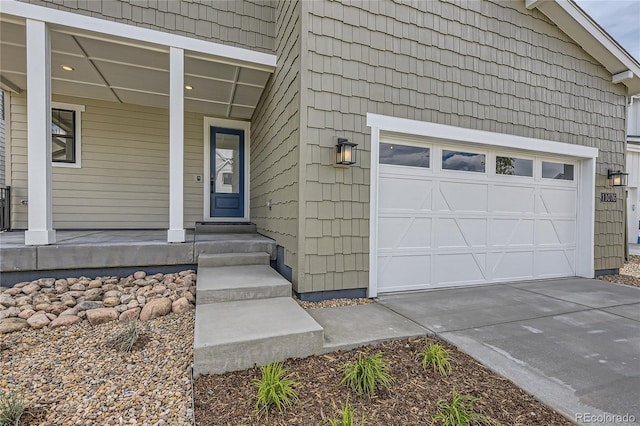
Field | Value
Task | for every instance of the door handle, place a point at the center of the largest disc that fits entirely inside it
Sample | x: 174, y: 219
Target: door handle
x: 213, y: 184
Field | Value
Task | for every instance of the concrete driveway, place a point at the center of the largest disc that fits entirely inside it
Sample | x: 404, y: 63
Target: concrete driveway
x: 573, y: 343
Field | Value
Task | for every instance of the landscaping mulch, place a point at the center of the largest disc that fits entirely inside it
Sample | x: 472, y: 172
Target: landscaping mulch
x: 333, y: 303
x: 229, y: 399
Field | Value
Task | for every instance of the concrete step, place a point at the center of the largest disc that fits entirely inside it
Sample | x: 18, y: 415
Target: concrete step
x: 233, y: 259
x: 225, y: 228
x: 234, y: 243
x: 231, y: 336
x: 246, y: 282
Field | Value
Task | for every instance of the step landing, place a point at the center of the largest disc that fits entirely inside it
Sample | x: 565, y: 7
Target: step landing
x: 244, y: 282
x: 236, y: 335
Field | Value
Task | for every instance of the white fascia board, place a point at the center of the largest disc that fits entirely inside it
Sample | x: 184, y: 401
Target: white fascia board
x: 452, y: 133
x: 264, y: 61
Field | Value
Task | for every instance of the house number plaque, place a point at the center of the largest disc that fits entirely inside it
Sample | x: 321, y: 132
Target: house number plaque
x: 608, y: 197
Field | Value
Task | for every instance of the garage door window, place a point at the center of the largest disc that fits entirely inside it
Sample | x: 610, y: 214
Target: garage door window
x: 463, y: 161
x: 512, y: 166
x: 557, y: 171
x: 404, y: 155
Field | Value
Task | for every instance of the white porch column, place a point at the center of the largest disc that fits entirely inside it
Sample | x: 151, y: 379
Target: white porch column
x: 40, y: 227
x: 176, y: 233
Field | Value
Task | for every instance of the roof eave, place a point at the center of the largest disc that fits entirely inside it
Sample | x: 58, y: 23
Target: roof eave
x: 574, y: 22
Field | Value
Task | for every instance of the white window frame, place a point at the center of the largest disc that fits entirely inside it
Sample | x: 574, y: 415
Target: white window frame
x: 584, y: 175
x: 78, y: 109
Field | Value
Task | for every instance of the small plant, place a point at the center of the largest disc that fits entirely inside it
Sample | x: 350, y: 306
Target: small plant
x: 367, y: 374
x: 347, y: 417
x: 459, y: 412
x: 436, y: 356
x: 12, y: 408
x: 127, y: 337
x: 275, y: 388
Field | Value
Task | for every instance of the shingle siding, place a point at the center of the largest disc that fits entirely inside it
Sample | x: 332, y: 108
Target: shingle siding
x: 275, y: 139
x: 242, y: 23
x: 487, y: 65
x: 3, y: 140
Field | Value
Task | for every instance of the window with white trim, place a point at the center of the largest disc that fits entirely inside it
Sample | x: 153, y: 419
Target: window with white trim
x: 65, y: 134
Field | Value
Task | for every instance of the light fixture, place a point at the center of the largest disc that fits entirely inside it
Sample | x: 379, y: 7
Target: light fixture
x: 188, y: 87
x: 617, y: 178
x: 346, y: 152
x: 67, y: 68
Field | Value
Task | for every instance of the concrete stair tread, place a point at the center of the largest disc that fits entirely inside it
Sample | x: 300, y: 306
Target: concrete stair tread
x: 238, y: 276
x: 244, y: 320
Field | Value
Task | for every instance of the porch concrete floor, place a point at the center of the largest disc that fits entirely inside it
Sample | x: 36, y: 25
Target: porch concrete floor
x: 121, y: 248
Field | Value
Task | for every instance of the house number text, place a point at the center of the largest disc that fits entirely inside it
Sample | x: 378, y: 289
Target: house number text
x: 608, y: 197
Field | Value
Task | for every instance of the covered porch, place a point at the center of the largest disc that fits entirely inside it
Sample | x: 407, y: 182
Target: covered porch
x: 104, y: 252
x: 166, y: 90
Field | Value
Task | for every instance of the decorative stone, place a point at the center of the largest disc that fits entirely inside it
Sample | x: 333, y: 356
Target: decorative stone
x: 26, y: 314
x: 93, y: 294
x: 113, y: 293
x: 51, y: 316
x: 95, y: 284
x: 68, y: 300
x: 130, y: 315
x: 10, y: 325
x: 101, y: 315
x: 13, y: 291
x: 9, y: 312
x: 78, y: 287
x: 30, y: 288
x: 42, y: 306
x: 121, y: 308
x: 139, y: 275
x: 46, y: 282
x: 7, y: 301
x: 155, y: 308
x: 64, y: 321
x: 88, y: 304
x: 126, y: 298
x: 141, y: 300
x: 57, y: 308
x: 75, y: 293
x: 190, y: 297
x: 133, y: 304
x: 111, y: 302
x: 181, y: 306
x: 38, y: 320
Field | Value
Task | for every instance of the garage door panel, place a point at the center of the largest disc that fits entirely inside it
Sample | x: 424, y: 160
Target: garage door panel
x: 511, y: 199
x: 554, y: 263
x: 555, y: 232
x: 402, y: 194
x: 556, y: 202
x: 459, y: 268
x: 404, y: 272
x: 511, y: 265
x: 511, y: 232
x: 443, y: 228
x: 462, y: 197
x: 404, y: 232
x: 461, y: 232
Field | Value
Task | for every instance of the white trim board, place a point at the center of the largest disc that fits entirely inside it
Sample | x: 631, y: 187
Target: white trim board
x: 229, y: 124
x: 585, y: 175
x: 246, y: 57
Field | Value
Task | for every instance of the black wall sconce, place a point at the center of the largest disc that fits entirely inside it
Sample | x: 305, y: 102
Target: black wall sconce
x: 346, y: 152
x: 617, y: 178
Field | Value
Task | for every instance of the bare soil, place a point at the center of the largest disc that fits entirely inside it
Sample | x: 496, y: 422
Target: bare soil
x: 229, y: 399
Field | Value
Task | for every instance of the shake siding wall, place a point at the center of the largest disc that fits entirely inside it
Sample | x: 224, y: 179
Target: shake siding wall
x: 275, y: 139
x: 242, y: 23
x: 485, y: 65
x: 2, y: 140
x: 124, y: 180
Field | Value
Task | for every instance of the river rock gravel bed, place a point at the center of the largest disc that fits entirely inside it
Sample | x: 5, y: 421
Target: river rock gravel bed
x: 629, y: 273
x: 70, y: 375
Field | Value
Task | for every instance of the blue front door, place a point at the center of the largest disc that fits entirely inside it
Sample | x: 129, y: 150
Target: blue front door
x: 227, y: 172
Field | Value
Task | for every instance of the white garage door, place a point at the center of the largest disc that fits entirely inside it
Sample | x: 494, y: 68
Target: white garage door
x: 455, y: 214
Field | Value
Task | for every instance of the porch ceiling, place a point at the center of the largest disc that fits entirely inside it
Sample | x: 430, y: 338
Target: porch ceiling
x: 128, y: 71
